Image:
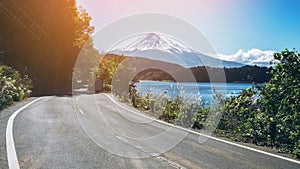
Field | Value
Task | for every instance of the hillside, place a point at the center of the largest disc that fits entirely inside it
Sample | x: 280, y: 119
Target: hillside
x: 148, y: 69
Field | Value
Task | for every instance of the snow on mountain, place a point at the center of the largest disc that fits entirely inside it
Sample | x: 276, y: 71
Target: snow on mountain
x: 156, y: 41
x: 161, y: 47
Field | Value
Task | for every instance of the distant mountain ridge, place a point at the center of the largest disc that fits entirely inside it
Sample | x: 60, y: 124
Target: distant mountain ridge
x: 160, y: 47
x: 149, y: 69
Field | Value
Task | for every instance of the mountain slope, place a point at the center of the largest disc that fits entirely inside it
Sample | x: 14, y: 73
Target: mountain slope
x: 160, y: 47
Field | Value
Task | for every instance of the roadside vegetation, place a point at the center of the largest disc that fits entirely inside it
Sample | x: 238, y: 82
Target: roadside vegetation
x: 265, y: 115
x: 45, y: 42
x: 270, y: 115
x: 14, y: 87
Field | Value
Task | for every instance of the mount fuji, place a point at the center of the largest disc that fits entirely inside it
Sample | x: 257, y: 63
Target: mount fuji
x: 157, y: 46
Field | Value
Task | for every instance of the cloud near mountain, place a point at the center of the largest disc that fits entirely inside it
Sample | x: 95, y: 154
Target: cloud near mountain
x: 251, y: 57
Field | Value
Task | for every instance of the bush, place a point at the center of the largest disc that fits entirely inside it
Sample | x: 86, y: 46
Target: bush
x: 172, y: 110
x: 14, y: 87
x: 281, y: 101
x: 267, y: 115
x: 270, y: 115
x: 201, y: 118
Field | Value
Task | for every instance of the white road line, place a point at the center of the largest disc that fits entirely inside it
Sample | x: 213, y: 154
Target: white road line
x: 139, y: 114
x: 10, y: 145
x: 204, y: 135
x: 81, y: 112
x: 154, y: 155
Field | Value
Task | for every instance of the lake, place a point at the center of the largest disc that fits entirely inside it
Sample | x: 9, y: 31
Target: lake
x: 190, y: 90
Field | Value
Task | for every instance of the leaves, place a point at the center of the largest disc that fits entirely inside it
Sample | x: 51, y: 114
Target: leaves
x: 44, y: 40
x: 13, y: 86
x: 273, y: 117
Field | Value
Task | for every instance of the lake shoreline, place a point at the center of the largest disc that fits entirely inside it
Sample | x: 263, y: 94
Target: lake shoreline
x: 190, y: 90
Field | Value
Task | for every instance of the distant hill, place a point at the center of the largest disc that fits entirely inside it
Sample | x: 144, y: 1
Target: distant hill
x: 148, y: 69
x: 245, y: 74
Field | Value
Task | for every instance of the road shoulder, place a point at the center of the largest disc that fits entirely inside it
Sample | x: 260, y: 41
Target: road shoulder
x: 4, y: 116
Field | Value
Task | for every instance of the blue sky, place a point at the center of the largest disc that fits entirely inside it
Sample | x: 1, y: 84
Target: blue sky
x: 234, y: 27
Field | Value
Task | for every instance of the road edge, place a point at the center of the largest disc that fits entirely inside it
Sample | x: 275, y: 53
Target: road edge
x: 12, y: 158
x: 209, y: 137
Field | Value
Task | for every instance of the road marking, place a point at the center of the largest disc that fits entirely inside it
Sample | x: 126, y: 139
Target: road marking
x: 139, y: 114
x: 154, y: 155
x: 204, y: 135
x: 10, y: 145
x: 121, y: 138
x: 81, y: 112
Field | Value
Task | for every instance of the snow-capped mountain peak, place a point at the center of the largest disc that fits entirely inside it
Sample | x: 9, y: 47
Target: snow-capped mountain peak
x: 162, y: 47
x: 156, y: 41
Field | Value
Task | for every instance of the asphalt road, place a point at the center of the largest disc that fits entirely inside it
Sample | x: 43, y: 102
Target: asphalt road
x: 94, y: 131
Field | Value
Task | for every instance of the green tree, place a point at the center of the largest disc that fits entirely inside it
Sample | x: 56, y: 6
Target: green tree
x: 280, y: 98
x: 109, y: 65
x: 269, y: 116
x: 43, y: 39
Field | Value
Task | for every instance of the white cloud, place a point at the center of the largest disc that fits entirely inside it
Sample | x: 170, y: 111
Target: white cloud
x: 252, y: 57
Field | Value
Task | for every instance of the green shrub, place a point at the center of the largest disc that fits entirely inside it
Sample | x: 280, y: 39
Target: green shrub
x: 201, y: 118
x: 172, y: 110
x: 280, y: 99
x: 267, y: 115
x: 270, y: 115
x: 13, y: 86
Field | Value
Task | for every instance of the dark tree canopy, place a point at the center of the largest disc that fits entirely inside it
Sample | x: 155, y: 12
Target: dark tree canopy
x: 43, y: 39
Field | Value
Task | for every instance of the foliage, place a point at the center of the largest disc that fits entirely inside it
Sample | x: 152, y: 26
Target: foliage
x: 248, y: 74
x: 201, y: 118
x: 177, y: 110
x: 87, y: 64
x: 108, y: 67
x: 241, y: 117
x: 269, y: 115
x: 280, y: 99
x: 110, y: 63
x: 265, y: 115
x: 43, y: 39
x: 172, y: 110
x: 242, y: 74
x: 13, y: 86
x: 83, y: 29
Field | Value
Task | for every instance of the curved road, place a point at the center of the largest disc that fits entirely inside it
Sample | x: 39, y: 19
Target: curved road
x: 100, y: 132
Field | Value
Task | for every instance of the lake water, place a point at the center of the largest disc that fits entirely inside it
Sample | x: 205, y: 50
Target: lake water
x: 194, y: 91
